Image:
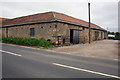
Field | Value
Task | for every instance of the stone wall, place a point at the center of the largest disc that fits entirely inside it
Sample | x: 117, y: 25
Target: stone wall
x: 0, y: 32
x: 3, y: 32
x: 51, y: 31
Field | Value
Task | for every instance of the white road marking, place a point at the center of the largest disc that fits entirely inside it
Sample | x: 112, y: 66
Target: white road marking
x: 85, y: 70
x: 11, y: 53
x: 51, y: 51
x: 116, y: 59
x: 35, y: 48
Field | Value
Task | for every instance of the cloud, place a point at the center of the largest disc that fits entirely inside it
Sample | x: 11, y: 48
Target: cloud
x: 104, y: 14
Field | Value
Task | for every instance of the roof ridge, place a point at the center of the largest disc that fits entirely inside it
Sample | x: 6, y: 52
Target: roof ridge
x: 77, y: 19
x: 54, y: 16
x: 31, y: 15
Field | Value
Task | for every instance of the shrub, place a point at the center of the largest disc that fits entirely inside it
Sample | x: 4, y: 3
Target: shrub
x: 28, y: 41
x: 0, y: 39
x: 117, y: 37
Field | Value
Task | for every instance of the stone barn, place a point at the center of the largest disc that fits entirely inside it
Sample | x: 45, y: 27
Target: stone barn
x: 54, y: 27
x: 1, y: 20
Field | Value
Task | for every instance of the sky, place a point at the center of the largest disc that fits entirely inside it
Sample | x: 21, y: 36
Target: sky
x: 103, y: 12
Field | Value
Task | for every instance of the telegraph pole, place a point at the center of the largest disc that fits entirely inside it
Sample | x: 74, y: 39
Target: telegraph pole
x: 89, y: 22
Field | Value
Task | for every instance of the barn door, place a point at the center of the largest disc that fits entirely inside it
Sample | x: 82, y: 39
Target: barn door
x: 74, y: 36
x: 96, y: 35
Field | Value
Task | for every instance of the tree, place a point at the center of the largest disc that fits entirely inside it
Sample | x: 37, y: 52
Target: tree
x: 112, y: 33
x: 117, y: 34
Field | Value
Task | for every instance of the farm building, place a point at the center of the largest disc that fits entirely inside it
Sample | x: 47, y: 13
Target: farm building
x: 54, y: 27
x: 1, y: 20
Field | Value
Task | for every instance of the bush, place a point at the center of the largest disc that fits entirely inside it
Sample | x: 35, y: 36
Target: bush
x: 0, y: 39
x: 28, y: 41
x: 117, y: 37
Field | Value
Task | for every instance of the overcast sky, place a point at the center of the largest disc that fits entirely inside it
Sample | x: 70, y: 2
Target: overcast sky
x: 103, y: 12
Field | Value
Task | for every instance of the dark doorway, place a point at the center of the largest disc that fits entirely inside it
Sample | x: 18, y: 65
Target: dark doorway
x: 96, y: 35
x: 63, y: 41
x: 74, y: 36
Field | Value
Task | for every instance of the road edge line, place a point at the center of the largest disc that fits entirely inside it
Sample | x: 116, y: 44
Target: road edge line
x: 11, y: 53
x: 85, y: 70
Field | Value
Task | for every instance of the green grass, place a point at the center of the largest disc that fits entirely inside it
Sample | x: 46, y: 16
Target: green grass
x: 27, y: 41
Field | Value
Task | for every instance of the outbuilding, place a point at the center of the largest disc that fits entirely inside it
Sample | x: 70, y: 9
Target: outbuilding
x: 54, y: 27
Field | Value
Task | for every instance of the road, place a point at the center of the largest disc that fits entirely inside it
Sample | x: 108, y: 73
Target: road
x: 21, y: 62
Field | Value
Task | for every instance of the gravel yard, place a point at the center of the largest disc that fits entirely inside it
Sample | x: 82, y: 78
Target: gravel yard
x: 101, y: 49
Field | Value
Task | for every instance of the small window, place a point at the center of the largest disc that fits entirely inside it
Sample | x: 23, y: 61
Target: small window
x: 32, y: 31
x: 55, y: 26
x: 41, y: 26
x: 50, y: 27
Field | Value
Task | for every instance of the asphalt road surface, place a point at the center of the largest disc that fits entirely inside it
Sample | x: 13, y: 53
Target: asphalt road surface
x: 21, y: 62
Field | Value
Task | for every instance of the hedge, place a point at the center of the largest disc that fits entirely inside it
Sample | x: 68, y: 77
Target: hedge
x: 27, y: 41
